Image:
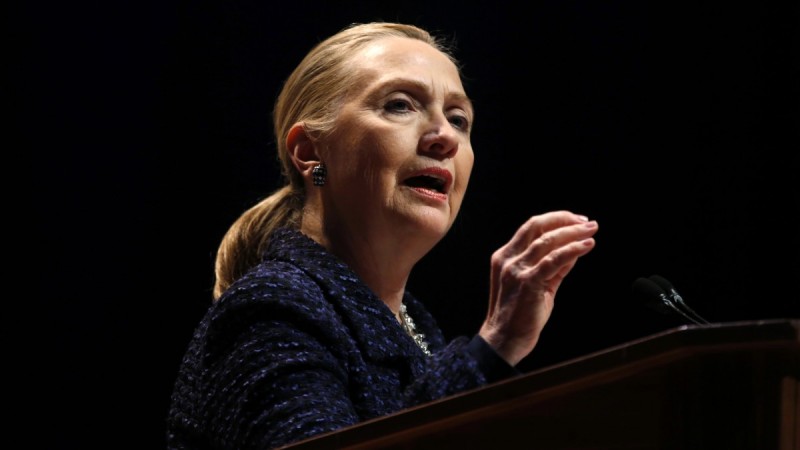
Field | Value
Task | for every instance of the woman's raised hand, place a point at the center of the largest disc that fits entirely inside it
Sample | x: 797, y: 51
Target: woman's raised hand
x: 525, y: 276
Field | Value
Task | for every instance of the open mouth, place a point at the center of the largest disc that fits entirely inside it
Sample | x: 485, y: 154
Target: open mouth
x: 435, y: 180
x: 431, y: 182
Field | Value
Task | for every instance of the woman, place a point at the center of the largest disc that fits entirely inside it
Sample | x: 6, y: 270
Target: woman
x: 312, y: 328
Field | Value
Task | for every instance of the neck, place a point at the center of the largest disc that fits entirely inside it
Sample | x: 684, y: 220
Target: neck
x: 383, y: 264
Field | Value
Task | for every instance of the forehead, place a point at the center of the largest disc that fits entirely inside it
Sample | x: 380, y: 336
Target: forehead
x: 399, y: 56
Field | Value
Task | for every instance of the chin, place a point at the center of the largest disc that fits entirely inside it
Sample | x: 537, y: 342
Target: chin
x: 431, y: 229
x: 424, y: 222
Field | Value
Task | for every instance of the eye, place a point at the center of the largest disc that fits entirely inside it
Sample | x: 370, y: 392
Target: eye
x: 398, y: 105
x: 459, y: 121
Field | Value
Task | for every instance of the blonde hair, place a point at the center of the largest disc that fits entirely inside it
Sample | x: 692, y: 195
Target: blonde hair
x: 311, y: 94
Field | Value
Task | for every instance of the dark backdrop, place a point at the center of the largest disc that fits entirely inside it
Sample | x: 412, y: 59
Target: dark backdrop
x: 147, y: 125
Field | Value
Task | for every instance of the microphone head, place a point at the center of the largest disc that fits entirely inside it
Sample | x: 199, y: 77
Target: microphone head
x: 675, y: 299
x: 662, y: 283
x: 653, y: 295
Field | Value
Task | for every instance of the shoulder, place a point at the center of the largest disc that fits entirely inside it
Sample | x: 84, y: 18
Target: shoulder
x: 273, y: 280
x: 274, y: 286
x: 275, y: 302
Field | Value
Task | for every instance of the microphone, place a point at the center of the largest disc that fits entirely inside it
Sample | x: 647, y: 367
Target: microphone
x: 658, y: 299
x: 676, y: 298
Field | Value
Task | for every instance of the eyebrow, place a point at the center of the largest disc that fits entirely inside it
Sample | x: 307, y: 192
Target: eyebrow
x: 419, y: 85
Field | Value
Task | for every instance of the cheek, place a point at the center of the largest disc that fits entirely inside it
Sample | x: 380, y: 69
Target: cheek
x: 350, y: 154
x: 380, y: 156
x: 366, y: 163
x: 463, y: 165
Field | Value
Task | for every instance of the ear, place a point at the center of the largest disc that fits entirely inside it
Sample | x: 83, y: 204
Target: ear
x: 302, y: 150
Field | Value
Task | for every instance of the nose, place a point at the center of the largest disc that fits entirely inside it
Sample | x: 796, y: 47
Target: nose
x: 441, y: 140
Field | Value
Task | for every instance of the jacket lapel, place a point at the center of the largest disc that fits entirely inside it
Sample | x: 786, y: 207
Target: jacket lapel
x: 371, y: 323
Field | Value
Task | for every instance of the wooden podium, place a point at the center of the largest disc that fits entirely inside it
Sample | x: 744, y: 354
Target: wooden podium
x: 721, y: 386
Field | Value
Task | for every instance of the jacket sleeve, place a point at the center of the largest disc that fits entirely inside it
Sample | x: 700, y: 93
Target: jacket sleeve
x: 463, y: 364
x: 455, y: 366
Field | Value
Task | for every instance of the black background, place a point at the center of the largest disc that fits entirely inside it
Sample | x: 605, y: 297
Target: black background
x: 148, y: 128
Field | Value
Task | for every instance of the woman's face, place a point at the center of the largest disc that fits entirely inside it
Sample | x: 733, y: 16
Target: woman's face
x: 400, y: 156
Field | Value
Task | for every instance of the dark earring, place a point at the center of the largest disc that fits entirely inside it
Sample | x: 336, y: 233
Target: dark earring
x: 319, y: 173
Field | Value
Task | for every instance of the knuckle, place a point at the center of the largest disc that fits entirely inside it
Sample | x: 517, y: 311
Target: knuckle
x: 544, y: 240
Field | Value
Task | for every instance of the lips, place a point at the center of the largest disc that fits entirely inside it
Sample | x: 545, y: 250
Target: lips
x: 434, y: 179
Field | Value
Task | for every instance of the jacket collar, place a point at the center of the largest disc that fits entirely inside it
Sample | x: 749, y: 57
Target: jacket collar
x: 371, y: 322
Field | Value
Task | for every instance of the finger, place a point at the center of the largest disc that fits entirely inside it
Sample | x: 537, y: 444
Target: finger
x: 538, y: 225
x: 557, y: 238
x: 558, y: 262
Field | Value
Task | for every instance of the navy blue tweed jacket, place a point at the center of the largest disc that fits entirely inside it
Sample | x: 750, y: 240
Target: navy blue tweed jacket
x: 300, y: 346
